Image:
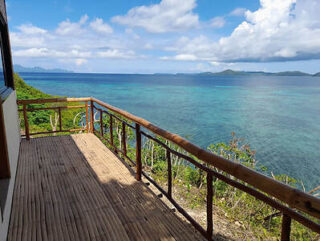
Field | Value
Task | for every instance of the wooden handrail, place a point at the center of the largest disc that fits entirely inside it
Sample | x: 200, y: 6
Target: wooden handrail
x: 260, y: 185
x: 292, y: 196
x: 53, y: 100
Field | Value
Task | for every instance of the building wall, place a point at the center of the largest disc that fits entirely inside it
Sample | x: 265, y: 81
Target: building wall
x: 12, y: 127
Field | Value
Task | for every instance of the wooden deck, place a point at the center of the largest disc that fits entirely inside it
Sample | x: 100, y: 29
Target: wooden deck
x: 74, y: 188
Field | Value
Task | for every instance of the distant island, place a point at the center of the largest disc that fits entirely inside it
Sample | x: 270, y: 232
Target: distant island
x: 261, y: 73
x: 230, y: 72
x: 20, y: 69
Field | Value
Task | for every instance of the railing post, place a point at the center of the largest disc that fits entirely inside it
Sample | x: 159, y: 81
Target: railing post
x: 286, y: 228
x: 209, y: 206
x: 124, y: 141
x: 138, y: 153
x: 111, y: 131
x: 26, y: 123
x: 87, y: 116
x: 101, y: 123
x: 60, y: 119
x: 92, y: 116
x: 169, y: 174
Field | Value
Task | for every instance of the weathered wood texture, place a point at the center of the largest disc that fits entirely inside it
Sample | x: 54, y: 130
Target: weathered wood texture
x: 74, y: 188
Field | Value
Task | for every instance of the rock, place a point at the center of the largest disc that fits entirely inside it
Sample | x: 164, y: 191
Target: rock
x: 237, y: 223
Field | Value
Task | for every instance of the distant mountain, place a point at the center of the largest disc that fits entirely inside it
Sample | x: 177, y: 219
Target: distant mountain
x: 226, y: 72
x: 229, y: 72
x: 292, y: 73
x: 317, y: 74
x: 20, y: 68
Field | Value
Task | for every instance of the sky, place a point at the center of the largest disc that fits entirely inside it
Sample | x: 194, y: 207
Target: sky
x: 166, y: 36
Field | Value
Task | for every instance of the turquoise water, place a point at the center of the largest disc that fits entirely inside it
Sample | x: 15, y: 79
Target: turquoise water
x: 278, y: 116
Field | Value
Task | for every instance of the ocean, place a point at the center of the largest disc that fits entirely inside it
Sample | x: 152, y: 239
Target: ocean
x: 278, y: 116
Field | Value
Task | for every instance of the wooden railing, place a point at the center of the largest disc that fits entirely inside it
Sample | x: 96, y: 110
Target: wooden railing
x: 291, y: 202
x: 24, y: 109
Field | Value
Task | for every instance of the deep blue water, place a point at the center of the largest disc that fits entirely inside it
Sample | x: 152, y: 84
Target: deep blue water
x: 278, y: 116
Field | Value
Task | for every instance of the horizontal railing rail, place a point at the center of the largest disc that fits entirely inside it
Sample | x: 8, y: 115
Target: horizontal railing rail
x: 24, y: 109
x: 291, y: 202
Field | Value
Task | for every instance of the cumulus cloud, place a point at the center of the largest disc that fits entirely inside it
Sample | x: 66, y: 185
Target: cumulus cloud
x: 45, y: 52
x: 217, y: 22
x: 72, y: 28
x: 71, y: 42
x: 278, y: 31
x: 167, y: 16
x: 30, y: 29
x: 130, y: 32
x: 101, y: 27
x: 238, y: 12
x: 19, y: 39
x: 181, y: 57
x: 117, y: 54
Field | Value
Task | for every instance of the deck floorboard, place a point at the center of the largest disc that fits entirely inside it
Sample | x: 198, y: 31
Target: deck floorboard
x: 71, y: 188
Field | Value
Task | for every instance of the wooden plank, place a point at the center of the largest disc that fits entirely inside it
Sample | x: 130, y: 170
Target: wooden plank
x: 51, y: 132
x: 87, y: 116
x: 138, y: 153
x: 60, y: 119
x: 55, y: 108
x: 53, y: 100
x: 124, y: 139
x: 285, y: 228
x: 209, y: 206
x: 26, y: 123
x: 72, y: 188
x: 169, y: 174
x: 92, y: 116
x: 111, y: 131
x: 101, y: 123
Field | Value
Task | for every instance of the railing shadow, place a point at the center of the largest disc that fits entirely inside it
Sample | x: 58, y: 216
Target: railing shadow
x: 138, y: 205
x: 89, y: 193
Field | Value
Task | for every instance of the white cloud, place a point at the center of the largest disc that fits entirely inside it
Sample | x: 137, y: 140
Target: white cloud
x: 130, y: 32
x: 32, y: 52
x: 101, y: 27
x: 51, y: 53
x: 30, y: 29
x: 80, y: 61
x: 25, y: 40
x: 181, y: 57
x: 72, y: 42
x: 148, y: 46
x: 167, y: 16
x: 117, y: 54
x: 277, y: 31
x: 238, y: 12
x: 72, y: 28
x: 217, y: 22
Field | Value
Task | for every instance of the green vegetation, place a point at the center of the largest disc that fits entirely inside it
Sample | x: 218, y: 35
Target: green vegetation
x: 46, y: 120
x: 250, y: 219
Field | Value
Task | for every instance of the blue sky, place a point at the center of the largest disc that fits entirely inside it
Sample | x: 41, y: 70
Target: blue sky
x: 167, y: 36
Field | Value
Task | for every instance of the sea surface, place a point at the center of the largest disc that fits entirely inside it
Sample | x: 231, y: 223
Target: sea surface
x: 278, y: 116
